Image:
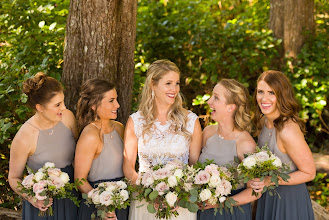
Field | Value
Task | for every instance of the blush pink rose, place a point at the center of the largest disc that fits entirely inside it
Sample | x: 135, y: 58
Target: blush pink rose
x: 161, y: 173
x: 39, y: 186
x: 56, y: 181
x: 161, y: 188
x: 202, y: 177
x: 28, y: 181
x: 212, y: 169
x: 54, y: 172
x: 38, y: 196
x: 147, y: 179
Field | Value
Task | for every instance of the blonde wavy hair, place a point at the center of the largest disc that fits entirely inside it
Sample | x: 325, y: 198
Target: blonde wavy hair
x: 237, y: 93
x: 177, y: 115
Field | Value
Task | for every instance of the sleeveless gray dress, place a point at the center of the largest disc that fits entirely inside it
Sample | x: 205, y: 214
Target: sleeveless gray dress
x: 56, y: 145
x: 223, y: 152
x: 106, y: 167
x: 295, y: 202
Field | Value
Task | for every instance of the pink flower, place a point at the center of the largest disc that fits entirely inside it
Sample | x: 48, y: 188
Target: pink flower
x: 28, y: 181
x: 39, y: 186
x: 227, y: 187
x: 54, y: 172
x: 212, y: 169
x: 174, y: 164
x: 56, y: 181
x: 202, y: 177
x: 38, y: 196
x: 105, y: 198
x: 161, y: 173
x: 161, y: 188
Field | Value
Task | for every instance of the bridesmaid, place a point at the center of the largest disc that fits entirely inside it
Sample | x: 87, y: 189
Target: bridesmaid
x: 99, y: 153
x: 277, y: 121
x: 48, y: 136
x: 221, y: 143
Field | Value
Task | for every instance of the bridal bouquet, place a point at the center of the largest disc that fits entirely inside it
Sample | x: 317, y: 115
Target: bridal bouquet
x: 161, y: 187
x: 48, y: 182
x: 107, y: 197
x: 214, y: 184
x: 261, y: 164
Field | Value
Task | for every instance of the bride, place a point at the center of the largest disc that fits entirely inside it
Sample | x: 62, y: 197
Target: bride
x: 161, y: 131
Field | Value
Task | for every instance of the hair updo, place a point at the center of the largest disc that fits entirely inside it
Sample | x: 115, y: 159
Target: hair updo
x: 41, y: 89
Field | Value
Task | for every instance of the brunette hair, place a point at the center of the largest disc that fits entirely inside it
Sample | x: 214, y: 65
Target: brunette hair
x: 40, y: 89
x: 287, y: 103
x: 91, y: 94
x: 176, y: 113
x: 237, y: 93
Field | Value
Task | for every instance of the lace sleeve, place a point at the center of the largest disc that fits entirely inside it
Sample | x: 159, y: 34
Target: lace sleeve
x: 191, y: 117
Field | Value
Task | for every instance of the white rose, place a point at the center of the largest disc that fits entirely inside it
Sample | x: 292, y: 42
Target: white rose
x: 262, y: 156
x: 212, y: 200
x: 277, y: 162
x: 39, y: 176
x: 214, y: 181
x: 124, y: 194
x: 64, y: 177
x: 110, y: 188
x: 188, y: 186
x: 171, y: 198
x: 172, y: 181
x: 121, y: 184
x: 178, y: 173
x: 227, y: 187
x: 205, y: 195
x: 49, y: 165
x: 222, y: 199
x: 95, y: 197
x: 249, y: 162
x: 105, y: 198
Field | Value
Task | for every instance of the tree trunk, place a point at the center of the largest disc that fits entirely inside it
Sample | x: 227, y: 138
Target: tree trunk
x: 290, y: 21
x: 100, y: 43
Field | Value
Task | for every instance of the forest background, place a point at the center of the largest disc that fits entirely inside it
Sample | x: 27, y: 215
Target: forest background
x: 208, y: 40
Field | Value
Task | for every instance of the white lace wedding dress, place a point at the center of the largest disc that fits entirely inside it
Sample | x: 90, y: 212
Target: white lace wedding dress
x: 161, y: 146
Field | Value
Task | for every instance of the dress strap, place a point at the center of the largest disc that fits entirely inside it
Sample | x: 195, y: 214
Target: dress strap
x: 33, y: 125
x: 95, y: 125
x: 237, y: 137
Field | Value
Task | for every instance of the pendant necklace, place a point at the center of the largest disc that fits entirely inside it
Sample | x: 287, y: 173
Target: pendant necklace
x: 222, y: 136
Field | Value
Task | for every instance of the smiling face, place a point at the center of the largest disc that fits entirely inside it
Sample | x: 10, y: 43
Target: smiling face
x: 108, y: 108
x: 217, y: 103
x: 53, y: 110
x: 167, y: 89
x: 267, y: 100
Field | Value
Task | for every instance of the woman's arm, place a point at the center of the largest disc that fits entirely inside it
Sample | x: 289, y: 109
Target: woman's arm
x: 20, y: 150
x: 85, y: 152
x: 130, y: 152
x: 195, y: 143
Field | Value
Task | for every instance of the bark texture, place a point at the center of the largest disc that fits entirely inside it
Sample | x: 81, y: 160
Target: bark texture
x: 100, y: 43
x: 290, y: 21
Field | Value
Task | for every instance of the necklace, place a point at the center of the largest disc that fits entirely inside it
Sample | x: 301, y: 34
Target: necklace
x: 222, y: 136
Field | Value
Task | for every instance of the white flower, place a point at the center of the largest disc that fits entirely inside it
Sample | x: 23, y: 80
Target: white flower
x: 147, y: 179
x: 171, y: 198
x: 227, y: 187
x: 49, y: 165
x: 172, y: 181
x: 28, y: 181
x: 39, y: 176
x: 121, y: 185
x: 95, y: 197
x: 205, y: 195
x: 54, y: 172
x: 110, y: 187
x: 124, y: 194
x: 105, y: 198
x: 139, y: 180
x: 277, y: 162
x: 188, y: 186
x: 262, y: 156
x: 249, y: 161
x: 64, y: 177
x: 214, y: 181
x: 222, y: 199
x: 178, y: 173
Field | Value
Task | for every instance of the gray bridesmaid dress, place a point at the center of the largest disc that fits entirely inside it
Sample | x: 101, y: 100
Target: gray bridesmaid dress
x: 295, y: 202
x: 56, y: 145
x: 223, y: 152
x: 105, y: 168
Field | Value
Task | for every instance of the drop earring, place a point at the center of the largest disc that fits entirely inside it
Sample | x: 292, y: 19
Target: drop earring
x: 152, y: 94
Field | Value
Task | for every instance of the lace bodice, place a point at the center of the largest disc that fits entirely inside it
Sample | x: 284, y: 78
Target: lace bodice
x: 161, y: 144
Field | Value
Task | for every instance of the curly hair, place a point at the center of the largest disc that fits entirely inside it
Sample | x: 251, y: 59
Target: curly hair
x: 91, y: 94
x: 287, y: 103
x: 237, y: 93
x: 40, y: 89
x: 176, y: 113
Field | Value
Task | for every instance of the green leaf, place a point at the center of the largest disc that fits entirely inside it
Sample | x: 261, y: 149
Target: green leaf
x: 147, y: 191
x: 182, y: 203
x: 153, y: 195
x: 193, y: 198
x: 151, y: 208
x: 194, y: 192
x: 192, y: 207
